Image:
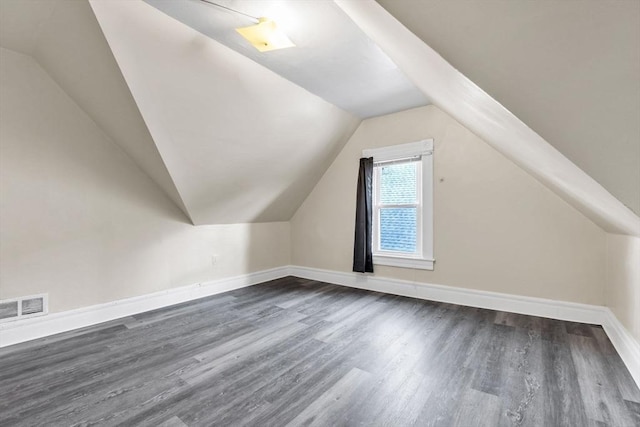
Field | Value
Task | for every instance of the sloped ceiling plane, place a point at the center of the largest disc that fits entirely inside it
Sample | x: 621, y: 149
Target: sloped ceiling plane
x: 234, y: 135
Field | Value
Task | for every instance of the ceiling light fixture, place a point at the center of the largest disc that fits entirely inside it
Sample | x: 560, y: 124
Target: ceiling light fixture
x: 264, y: 35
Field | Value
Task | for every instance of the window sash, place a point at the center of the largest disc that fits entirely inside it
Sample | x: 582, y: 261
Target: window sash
x: 378, y: 206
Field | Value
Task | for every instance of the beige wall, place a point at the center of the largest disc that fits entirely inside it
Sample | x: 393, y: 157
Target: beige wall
x: 623, y: 280
x: 496, y: 227
x: 79, y: 220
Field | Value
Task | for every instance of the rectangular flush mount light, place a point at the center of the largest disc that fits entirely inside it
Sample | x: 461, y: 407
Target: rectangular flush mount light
x: 265, y: 36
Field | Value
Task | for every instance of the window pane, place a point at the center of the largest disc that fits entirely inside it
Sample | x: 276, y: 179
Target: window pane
x: 398, y: 183
x: 398, y: 229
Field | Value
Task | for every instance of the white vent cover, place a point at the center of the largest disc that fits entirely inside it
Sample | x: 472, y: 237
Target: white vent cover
x: 19, y: 308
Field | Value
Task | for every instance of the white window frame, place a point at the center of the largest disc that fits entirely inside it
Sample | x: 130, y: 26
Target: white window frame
x: 378, y: 206
x: 423, y: 258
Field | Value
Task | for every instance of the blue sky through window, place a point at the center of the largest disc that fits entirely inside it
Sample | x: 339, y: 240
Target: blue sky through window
x: 398, y: 184
x: 398, y: 224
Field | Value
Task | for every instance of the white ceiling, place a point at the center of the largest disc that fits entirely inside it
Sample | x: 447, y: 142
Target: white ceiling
x: 570, y: 70
x: 242, y: 143
x: 230, y: 141
x: 479, y: 112
x: 333, y: 58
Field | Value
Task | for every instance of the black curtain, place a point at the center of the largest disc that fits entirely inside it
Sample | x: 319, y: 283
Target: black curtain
x: 362, y: 256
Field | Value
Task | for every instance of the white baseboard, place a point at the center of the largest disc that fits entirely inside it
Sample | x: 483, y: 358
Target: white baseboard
x: 627, y: 347
x: 29, y: 329
x: 38, y: 327
x: 625, y: 344
x: 553, y: 309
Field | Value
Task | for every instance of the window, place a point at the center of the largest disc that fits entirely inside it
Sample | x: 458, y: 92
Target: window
x: 403, y: 205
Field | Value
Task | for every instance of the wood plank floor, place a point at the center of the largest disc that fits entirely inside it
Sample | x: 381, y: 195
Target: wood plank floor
x: 299, y: 352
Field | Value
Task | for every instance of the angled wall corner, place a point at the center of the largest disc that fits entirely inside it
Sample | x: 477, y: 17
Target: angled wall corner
x: 71, y: 48
x: 623, y: 281
x: 242, y: 144
x: 81, y: 221
x: 475, y: 109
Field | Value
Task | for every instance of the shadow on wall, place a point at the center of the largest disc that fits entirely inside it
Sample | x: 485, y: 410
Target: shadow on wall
x: 80, y: 221
x: 287, y: 184
x: 210, y: 252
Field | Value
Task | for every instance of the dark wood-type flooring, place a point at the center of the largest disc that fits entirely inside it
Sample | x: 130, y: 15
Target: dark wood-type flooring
x: 299, y: 352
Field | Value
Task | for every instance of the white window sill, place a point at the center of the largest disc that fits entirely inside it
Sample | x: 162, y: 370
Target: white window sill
x: 418, y: 263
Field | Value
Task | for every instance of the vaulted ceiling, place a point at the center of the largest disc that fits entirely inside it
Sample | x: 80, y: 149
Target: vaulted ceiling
x: 332, y: 58
x: 65, y: 38
x: 234, y: 136
x: 472, y: 106
x: 570, y: 70
x: 228, y: 139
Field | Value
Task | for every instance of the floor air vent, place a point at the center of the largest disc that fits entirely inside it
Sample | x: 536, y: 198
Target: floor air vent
x: 8, y: 309
x: 32, y: 306
x: 19, y: 308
